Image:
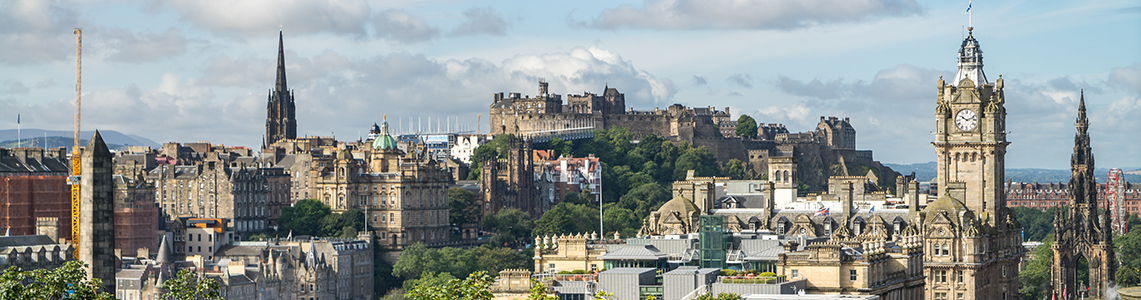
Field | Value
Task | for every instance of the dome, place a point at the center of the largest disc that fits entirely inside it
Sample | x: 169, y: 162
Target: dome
x: 679, y: 204
x: 384, y: 141
x: 375, y: 128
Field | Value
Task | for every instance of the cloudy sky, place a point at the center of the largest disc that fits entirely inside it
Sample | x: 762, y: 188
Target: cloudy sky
x: 190, y: 70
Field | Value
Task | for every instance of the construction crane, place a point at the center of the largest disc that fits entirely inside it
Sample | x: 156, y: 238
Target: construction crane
x: 75, y: 154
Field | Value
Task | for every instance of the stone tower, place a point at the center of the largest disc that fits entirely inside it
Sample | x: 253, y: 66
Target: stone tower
x: 1080, y: 229
x: 973, y: 241
x: 280, y: 121
x: 97, y: 213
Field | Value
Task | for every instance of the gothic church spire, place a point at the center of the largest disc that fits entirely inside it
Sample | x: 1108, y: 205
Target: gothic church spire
x: 281, y: 86
x: 280, y: 121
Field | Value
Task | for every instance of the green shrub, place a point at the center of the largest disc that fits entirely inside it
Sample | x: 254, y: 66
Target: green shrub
x: 564, y: 272
x: 768, y: 274
x: 728, y: 272
x: 579, y: 271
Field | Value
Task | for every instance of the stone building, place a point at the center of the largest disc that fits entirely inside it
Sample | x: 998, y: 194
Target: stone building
x: 403, y: 195
x: 207, y: 181
x: 568, y: 253
x: 34, y: 252
x: 136, y: 216
x: 309, y: 268
x: 857, y: 266
x: 1043, y: 196
x: 33, y: 184
x: 564, y: 175
x: 971, y: 236
x: 1081, y: 229
x: 508, y: 181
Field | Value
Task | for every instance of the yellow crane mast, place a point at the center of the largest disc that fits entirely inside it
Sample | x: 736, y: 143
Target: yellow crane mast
x: 75, y: 154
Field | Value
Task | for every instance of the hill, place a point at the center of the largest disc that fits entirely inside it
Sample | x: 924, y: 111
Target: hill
x: 60, y: 138
x: 926, y: 172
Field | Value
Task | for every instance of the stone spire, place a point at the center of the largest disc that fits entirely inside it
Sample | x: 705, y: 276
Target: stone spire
x: 281, y: 116
x: 281, y: 86
x: 164, y: 252
x: 1083, y: 187
x: 970, y: 62
x: 96, y: 240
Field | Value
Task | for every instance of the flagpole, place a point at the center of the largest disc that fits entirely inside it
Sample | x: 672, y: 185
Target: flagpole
x: 17, y: 130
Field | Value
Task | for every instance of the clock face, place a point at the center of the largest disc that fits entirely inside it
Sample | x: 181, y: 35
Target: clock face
x: 966, y: 120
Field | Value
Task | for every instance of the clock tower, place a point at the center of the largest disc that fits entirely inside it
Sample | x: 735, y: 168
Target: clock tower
x: 972, y: 242
x: 970, y: 135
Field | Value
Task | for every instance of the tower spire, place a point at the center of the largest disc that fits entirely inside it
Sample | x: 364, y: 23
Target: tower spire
x: 1082, y: 122
x: 281, y: 86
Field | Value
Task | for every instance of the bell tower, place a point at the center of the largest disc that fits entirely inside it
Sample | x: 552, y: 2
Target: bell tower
x: 970, y: 134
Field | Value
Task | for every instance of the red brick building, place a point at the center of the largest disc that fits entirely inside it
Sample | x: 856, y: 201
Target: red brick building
x: 1046, y: 195
x: 136, y: 216
x: 33, y: 184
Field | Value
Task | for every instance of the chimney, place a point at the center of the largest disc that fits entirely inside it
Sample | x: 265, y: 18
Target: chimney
x: 913, y: 201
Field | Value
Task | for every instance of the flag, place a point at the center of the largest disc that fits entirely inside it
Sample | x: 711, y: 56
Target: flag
x: 823, y: 211
x: 968, y: 7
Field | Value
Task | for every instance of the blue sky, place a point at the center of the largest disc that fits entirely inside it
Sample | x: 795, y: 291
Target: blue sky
x: 190, y: 70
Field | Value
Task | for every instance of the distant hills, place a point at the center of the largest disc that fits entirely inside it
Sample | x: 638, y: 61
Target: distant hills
x: 926, y: 172
x: 59, y: 138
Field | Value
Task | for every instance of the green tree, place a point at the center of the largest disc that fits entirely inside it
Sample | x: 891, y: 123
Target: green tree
x: 383, y: 282
x: 187, y: 286
x: 417, y: 260
x: 511, y: 223
x: 69, y: 281
x: 429, y: 279
x: 746, y: 127
x: 476, y: 286
x: 721, y: 296
x: 644, y: 199
x: 735, y: 170
x: 463, y: 207
x: 621, y: 220
x: 304, y: 217
x: 567, y: 218
x: 539, y: 291
x: 1035, y: 223
x: 559, y: 147
x: 699, y: 159
x: 495, y: 259
x: 1129, y: 256
x: 1034, y: 281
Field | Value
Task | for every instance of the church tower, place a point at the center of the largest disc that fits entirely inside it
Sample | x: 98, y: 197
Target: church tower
x: 973, y: 242
x: 1081, y: 229
x: 280, y: 121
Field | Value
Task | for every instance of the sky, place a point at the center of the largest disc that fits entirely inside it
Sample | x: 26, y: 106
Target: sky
x: 201, y: 70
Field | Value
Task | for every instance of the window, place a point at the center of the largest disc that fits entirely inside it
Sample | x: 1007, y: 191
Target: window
x: 940, y: 296
x: 199, y: 248
x: 959, y: 296
x: 209, y: 237
x: 941, y: 276
x: 959, y: 278
x: 190, y: 249
x: 795, y: 273
x: 852, y: 275
x: 1004, y: 275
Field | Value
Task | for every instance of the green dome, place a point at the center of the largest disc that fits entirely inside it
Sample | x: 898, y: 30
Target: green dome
x: 384, y: 141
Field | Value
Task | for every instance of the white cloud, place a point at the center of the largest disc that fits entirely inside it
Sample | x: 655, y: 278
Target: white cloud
x: 13, y: 88
x: 402, y: 26
x: 265, y: 17
x: 481, y: 21
x: 36, y: 31
x: 1128, y: 78
x: 343, y: 94
x: 761, y: 14
x: 127, y: 46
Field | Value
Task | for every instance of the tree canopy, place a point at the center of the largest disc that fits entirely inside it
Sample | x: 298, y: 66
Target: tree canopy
x: 187, y: 286
x: 746, y: 127
x: 66, y: 282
